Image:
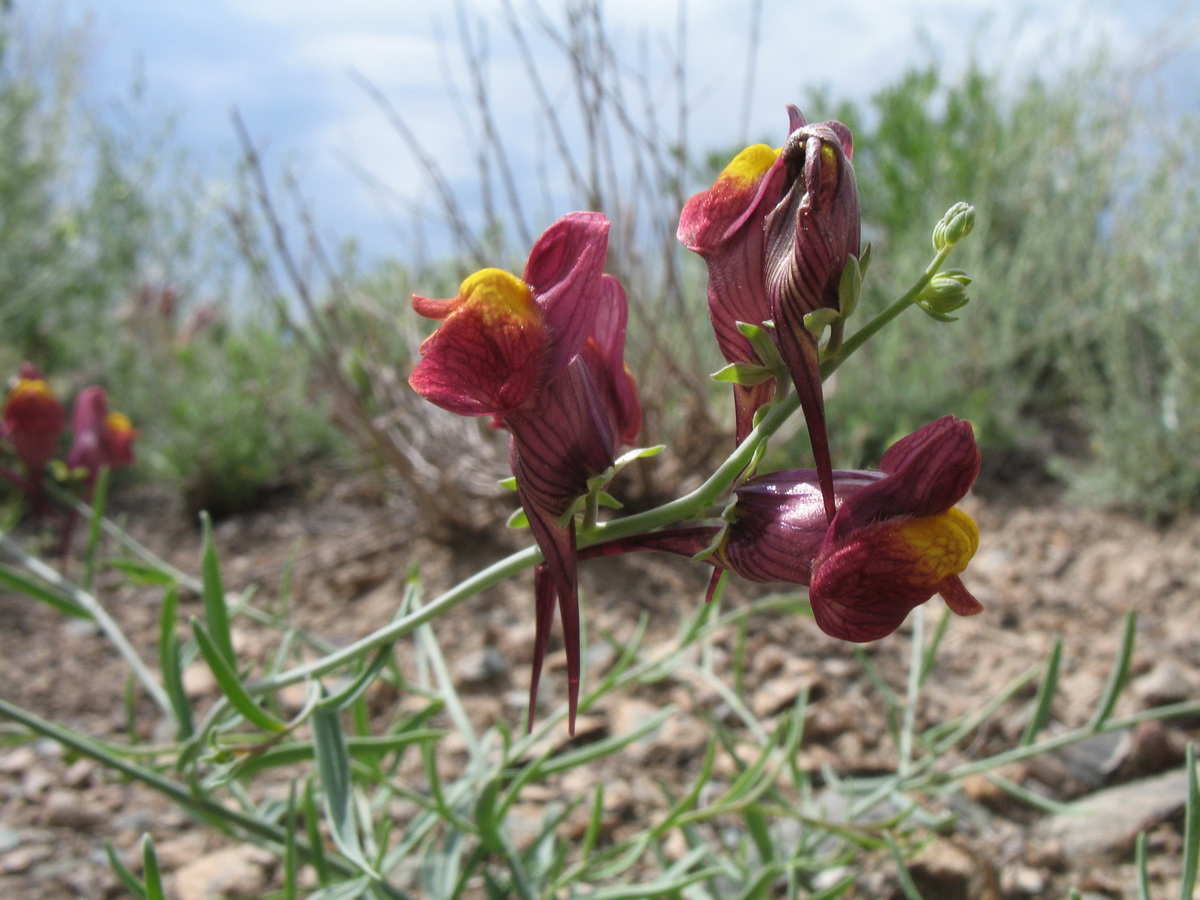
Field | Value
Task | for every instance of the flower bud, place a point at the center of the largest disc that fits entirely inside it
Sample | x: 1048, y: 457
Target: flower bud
x: 955, y: 225
x: 945, y: 293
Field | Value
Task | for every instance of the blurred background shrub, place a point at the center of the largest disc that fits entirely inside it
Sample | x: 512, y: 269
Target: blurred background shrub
x: 1073, y: 360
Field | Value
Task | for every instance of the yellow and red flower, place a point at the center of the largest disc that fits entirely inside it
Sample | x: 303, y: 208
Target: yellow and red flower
x: 896, y: 539
x: 544, y: 356
x: 101, y: 438
x: 33, y: 421
x: 777, y: 230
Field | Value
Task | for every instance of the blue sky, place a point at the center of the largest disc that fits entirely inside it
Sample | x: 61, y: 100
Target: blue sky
x: 286, y: 66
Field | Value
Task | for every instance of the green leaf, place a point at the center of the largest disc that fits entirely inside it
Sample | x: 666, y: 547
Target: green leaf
x: 1045, y: 695
x: 130, y: 881
x: 150, y: 871
x: 363, y: 749
x: 638, y: 453
x: 1191, y: 830
x: 38, y: 591
x: 230, y: 684
x: 172, y: 666
x: 142, y: 574
x: 216, y: 614
x: 906, y: 882
x: 487, y: 818
x: 518, y: 519
x: 312, y: 827
x: 355, y: 688
x: 1118, y: 676
x: 819, y: 319
x: 333, y: 769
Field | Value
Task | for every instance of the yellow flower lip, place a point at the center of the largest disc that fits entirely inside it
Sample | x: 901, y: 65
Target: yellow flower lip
x: 944, y: 542
x: 750, y: 165
x: 497, y: 296
x: 119, y: 422
x: 32, y: 387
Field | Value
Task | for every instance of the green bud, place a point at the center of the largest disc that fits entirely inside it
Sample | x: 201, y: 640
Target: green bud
x: 945, y: 293
x: 955, y: 225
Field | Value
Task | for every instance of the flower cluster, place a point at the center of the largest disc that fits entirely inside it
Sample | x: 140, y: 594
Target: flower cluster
x: 34, y: 420
x: 543, y: 356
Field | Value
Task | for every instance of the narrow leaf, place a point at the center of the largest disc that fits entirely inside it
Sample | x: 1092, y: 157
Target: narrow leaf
x: 354, y: 690
x: 19, y: 582
x: 154, y: 885
x: 312, y: 827
x: 902, y: 875
x: 142, y: 574
x: 130, y: 881
x: 1118, y: 675
x: 487, y: 818
x: 172, y: 666
x: 1045, y: 695
x: 229, y: 682
x: 1191, y: 830
x: 333, y: 769
x: 216, y: 614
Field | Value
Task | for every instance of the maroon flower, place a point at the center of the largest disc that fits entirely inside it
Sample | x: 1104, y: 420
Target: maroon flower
x: 101, y: 438
x: 896, y: 540
x: 544, y: 356
x: 777, y: 230
x: 33, y: 421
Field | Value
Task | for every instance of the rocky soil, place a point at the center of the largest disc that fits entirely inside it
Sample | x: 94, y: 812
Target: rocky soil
x: 1045, y: 571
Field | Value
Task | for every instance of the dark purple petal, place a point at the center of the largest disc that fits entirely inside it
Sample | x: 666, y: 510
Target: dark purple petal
x: 779, y: 524
x: 544, y: 592
x: 928, y: 472
x: 604, y: 356
x: 558, y: 547
x: 563, y: 272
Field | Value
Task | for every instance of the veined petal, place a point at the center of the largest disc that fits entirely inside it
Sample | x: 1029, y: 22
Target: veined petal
x: 564, y: 273
x: 863, y: 588
x: 604, y: 356
x: 487, y: 357
x: 562, y: 580
x: 928, y: 471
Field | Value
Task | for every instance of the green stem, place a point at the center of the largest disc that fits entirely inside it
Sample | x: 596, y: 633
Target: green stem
x: 868, y: 331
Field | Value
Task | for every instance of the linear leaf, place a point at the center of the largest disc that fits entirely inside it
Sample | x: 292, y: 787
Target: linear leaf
x: 171, y: 664
x: 333, y: 768
x: 38, y: 591
x: 142, y: 574
x: 229, y: 682
x: 150, y: 871
x: 216, y: 614
x: 130, y: 881
x: 1118, y: 675
x: 354, y: 690
x: 1045, y: 695
x: 1191, y: 829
